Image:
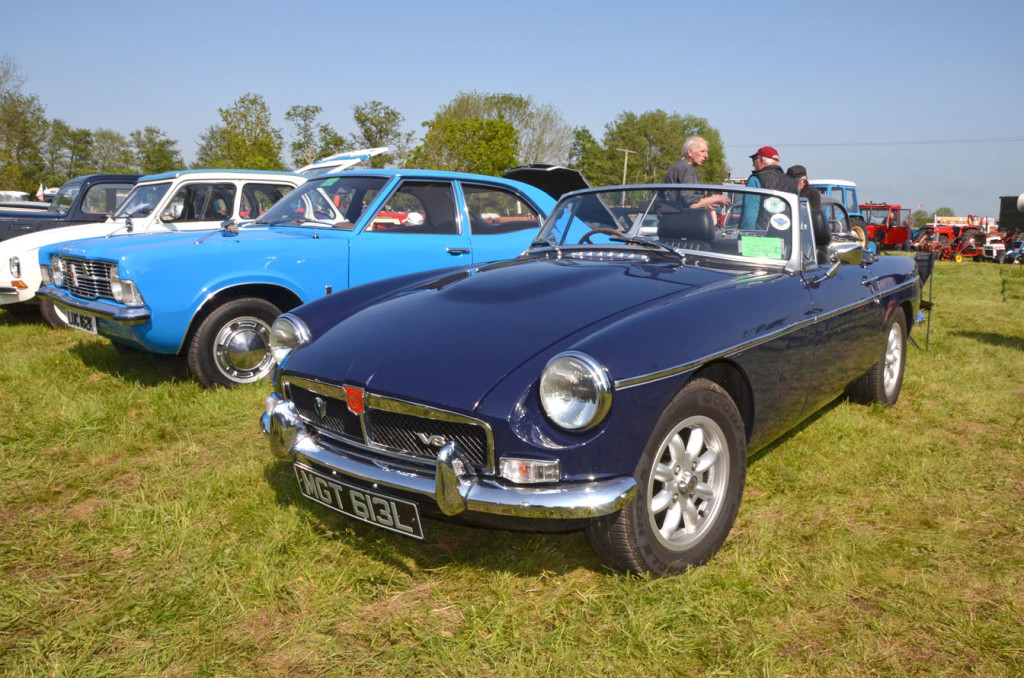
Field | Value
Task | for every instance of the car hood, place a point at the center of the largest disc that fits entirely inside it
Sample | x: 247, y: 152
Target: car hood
x: 458, y: 336
x: 554, y: 180
x: 129, y: 245
x: 18, y: 214
x: 52, y: 236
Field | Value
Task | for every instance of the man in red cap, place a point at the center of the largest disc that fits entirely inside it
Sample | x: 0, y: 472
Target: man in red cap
x: 767, y: 174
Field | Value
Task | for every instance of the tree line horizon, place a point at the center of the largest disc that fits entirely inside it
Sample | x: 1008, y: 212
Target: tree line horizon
x: 475, y: 132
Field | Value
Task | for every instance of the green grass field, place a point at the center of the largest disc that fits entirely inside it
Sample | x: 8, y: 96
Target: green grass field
x: 145, y: 530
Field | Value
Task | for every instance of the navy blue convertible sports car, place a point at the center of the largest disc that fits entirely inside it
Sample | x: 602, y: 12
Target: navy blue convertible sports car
x: 614, y: 377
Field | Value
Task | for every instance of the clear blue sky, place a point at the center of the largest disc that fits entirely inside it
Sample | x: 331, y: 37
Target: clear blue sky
x: 918, y: 102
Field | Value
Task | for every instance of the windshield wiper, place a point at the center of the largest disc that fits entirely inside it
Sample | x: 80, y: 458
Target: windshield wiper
x: 551, y: 242
x: 293, y: 222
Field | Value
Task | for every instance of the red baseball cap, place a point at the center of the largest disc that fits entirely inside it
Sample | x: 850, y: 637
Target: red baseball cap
x: 766, y: 152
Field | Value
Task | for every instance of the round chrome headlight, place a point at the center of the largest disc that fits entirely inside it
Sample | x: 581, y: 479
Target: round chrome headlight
x: 575, y: 391
x: 15, y: 264
x: 287, y: 334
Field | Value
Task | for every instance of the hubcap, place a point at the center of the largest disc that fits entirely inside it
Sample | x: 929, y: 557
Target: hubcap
x: 893, y: 359
x: 687, y: 484
x: 241, y: 350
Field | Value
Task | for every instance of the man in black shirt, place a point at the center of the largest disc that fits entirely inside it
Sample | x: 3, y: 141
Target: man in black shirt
x: 798, y: 173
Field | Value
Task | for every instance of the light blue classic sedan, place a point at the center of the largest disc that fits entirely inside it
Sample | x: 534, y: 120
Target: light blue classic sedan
x: 212, y: 296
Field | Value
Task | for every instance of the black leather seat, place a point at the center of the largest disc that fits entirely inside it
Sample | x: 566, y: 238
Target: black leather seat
x: 688, y: 227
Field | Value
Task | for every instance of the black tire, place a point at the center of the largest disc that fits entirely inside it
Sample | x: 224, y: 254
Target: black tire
x: 690, y: 477
x: 53, y: 316
x: 231, y: 345
x: 973, y: 236
x: 882, y: 383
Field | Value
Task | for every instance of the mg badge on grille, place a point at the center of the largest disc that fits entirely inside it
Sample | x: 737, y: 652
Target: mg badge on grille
x: 354, y: 398
x: 320, y: 405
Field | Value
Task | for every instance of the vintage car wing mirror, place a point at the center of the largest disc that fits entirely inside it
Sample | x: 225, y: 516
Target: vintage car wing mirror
x: 840, y: 253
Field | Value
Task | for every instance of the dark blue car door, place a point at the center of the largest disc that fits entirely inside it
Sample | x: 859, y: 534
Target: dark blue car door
x: 849, y: 328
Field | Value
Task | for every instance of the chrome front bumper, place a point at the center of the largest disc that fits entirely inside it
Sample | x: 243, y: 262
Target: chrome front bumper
x: 112, y: 312
x: 455, y: 487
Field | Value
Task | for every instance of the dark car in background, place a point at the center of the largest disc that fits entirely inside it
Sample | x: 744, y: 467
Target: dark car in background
x: 81, y: 200
x: 615, y: 377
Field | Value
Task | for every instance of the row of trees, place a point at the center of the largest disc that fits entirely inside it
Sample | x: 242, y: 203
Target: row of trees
x: 476, y: 132
x: 921, y: 217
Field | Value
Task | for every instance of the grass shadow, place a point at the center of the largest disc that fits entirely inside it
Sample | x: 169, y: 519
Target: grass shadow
x: 20, y: 315
x: 446, y: 543
x: 994, y: 339
x: 136, y: 366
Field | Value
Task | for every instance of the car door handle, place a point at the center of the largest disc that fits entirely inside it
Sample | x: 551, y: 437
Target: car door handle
x: 456, y: 251
x: 869, y: 281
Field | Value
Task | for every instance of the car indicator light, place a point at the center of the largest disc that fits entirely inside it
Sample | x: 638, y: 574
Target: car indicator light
x: 529, y: 471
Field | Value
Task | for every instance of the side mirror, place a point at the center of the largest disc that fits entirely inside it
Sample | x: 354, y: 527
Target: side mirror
x: 167, y: 217
x: 840, y: 253
x: 845, y: 253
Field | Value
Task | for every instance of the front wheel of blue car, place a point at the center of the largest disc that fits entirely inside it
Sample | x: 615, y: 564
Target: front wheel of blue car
x: 232, y: 344
x: 689, y: 486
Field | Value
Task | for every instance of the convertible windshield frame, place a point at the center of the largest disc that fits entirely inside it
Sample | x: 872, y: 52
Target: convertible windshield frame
x: 772, y: 236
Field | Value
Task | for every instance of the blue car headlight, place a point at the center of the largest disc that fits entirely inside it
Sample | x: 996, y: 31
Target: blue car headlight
x: 56, y: 271
x: 575, y: 391
x: 287, y: 334
x: 124, y: 291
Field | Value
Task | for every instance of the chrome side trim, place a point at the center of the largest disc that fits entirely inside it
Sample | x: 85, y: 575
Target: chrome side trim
x: 621, y: 384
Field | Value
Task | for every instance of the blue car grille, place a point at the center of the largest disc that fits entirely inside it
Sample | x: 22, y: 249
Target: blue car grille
x: 87, y: 279
x: 387, y: 426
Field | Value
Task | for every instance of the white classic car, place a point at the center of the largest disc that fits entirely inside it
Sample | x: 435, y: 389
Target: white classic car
x: 186, y: 200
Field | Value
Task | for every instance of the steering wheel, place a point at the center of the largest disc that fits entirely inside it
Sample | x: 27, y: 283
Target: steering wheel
x: 593, y: 231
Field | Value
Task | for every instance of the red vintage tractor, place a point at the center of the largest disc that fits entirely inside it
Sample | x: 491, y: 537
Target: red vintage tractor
x: 955, y: 238
x: 887, y: 225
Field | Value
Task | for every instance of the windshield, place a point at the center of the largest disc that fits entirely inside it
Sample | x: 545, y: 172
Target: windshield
x: 142, y: 200
x: 746, y: 224
x: 61, y: 202
x: 336, y: 201
x: 874, y: 217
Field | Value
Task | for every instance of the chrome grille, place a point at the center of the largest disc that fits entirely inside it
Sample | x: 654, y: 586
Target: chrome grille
x: 337, y: 418
x: 88, y: 279
x: 388, y: 426
x: 415, y: 434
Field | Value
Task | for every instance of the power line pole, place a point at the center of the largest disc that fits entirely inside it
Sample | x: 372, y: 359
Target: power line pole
x: 625, y: 162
